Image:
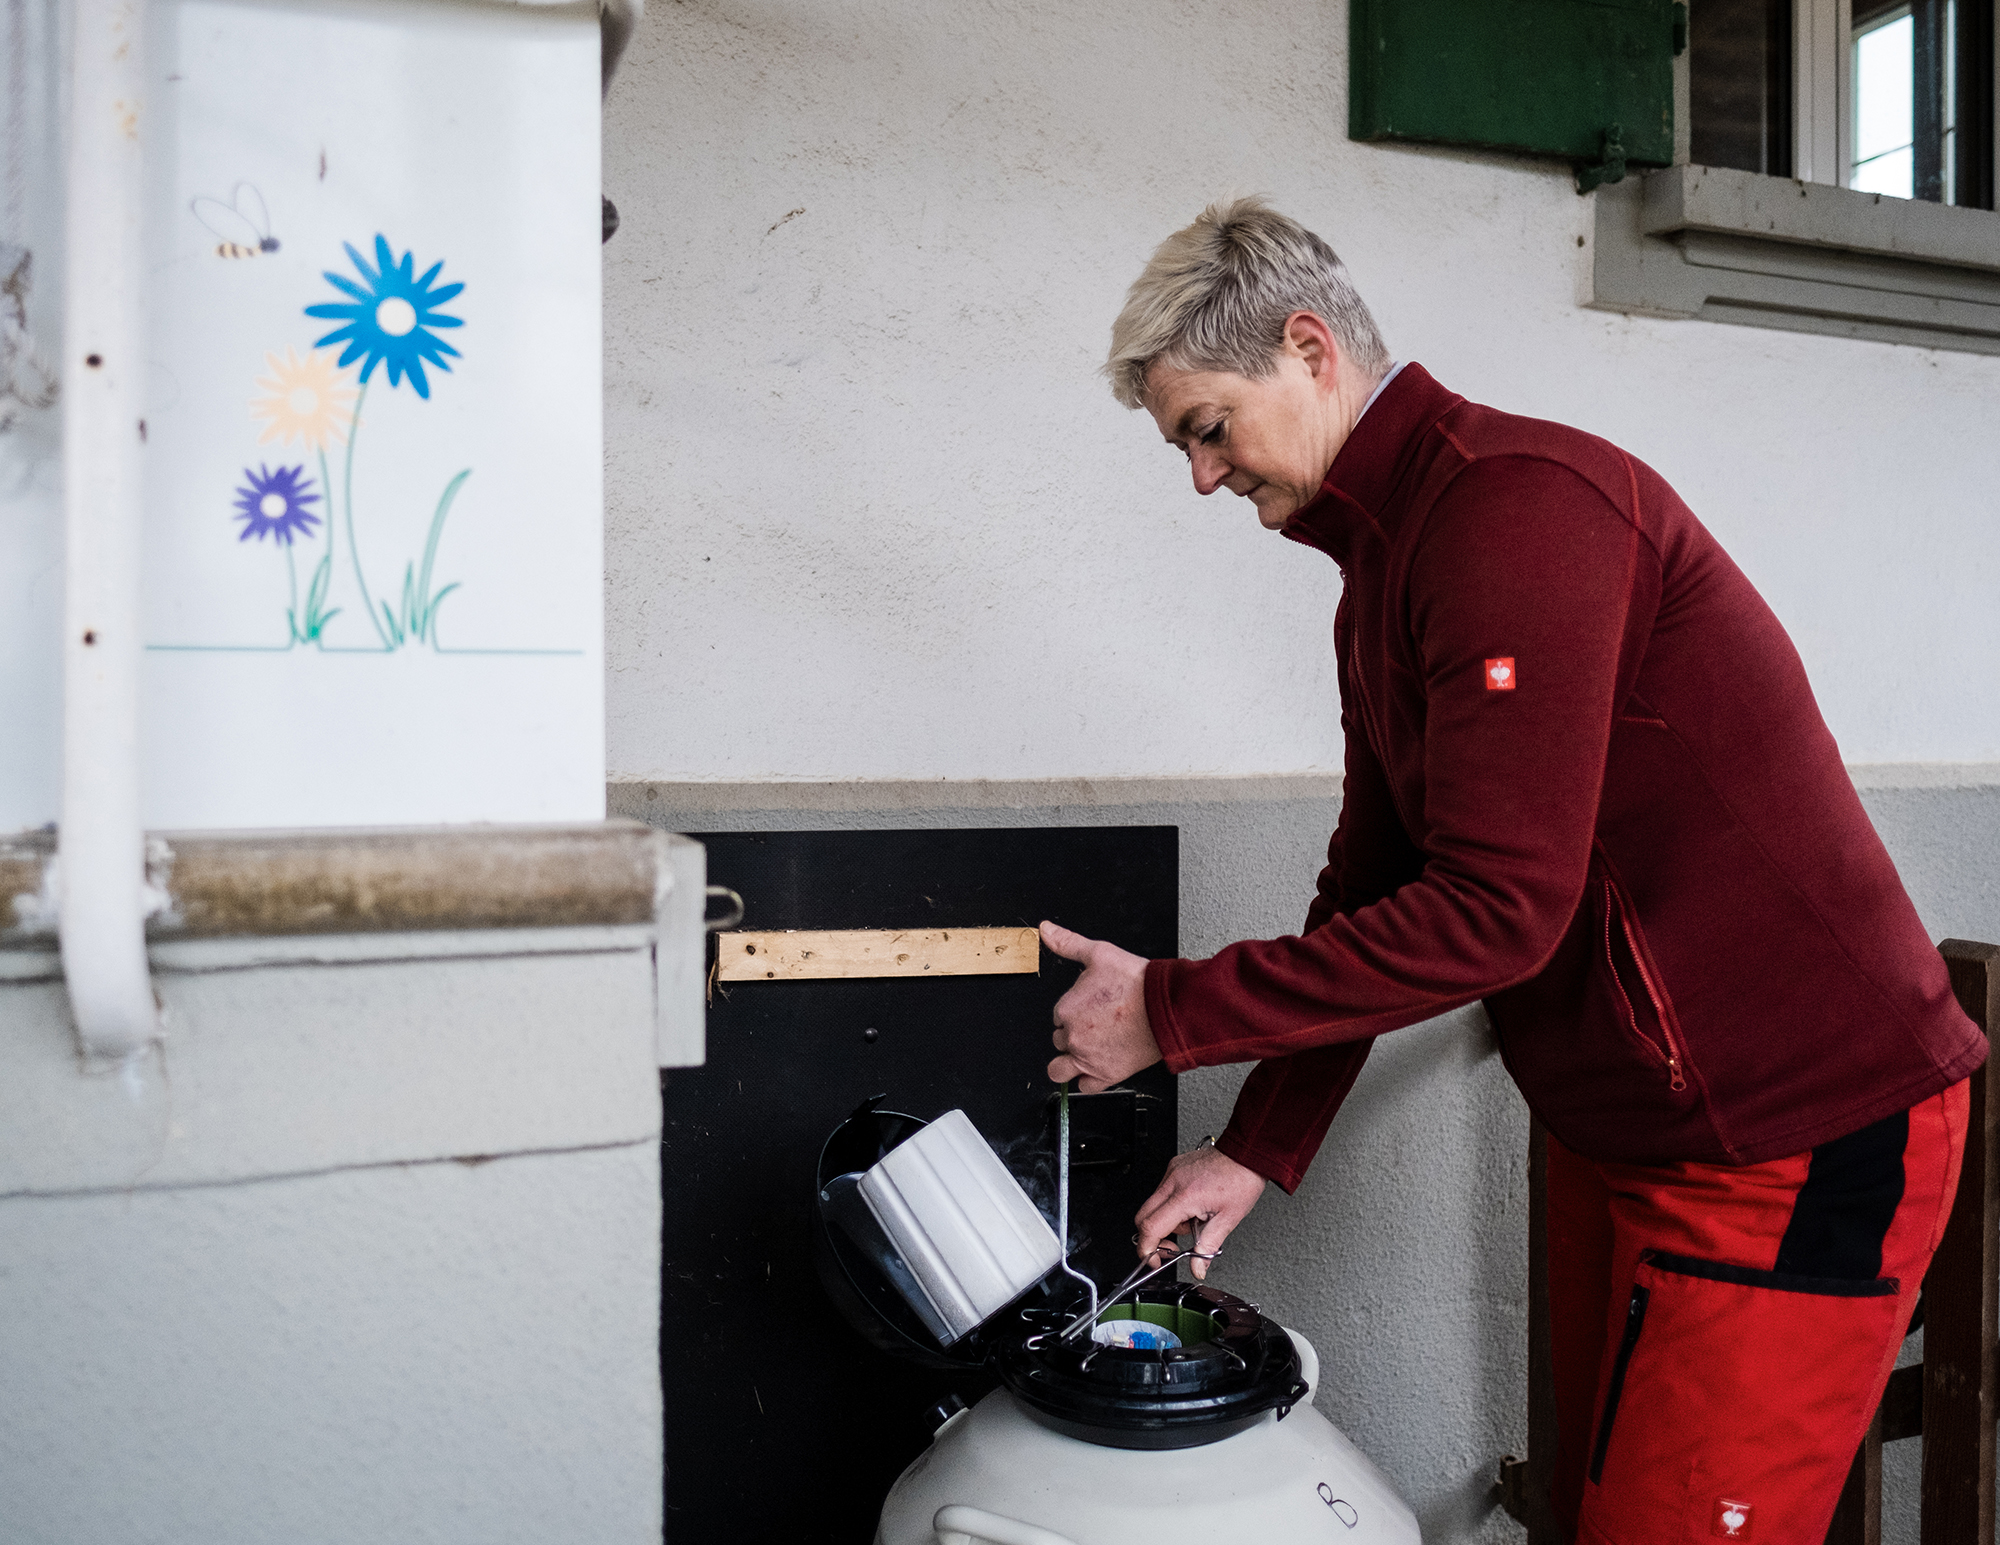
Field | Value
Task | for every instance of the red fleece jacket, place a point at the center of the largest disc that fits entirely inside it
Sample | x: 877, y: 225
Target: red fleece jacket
x: 1587, y: 783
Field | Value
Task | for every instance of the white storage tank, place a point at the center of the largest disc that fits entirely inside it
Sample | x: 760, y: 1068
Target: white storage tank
x: 1183, y: 1419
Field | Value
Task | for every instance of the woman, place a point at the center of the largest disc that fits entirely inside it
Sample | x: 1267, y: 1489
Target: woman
x: 1587, y: 784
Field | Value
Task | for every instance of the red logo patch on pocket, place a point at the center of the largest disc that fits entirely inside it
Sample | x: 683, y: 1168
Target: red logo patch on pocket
x: 1732, y: 1520
x: 1500, y: 674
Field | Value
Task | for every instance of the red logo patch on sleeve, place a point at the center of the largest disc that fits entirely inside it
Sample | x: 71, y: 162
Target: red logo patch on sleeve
x: 1732, y: 1520
x: 1500, y: 674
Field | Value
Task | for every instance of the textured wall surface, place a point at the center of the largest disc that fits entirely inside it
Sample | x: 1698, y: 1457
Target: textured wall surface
x: 288, y: 1068
x: 367, y: 1250
x: 444, y: 1353
x: 871, y: 513
x: 1943, y: 827
x: 1404, y: 1254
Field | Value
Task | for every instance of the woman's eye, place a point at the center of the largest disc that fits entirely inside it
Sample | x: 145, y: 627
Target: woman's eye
x: 1213, y: 434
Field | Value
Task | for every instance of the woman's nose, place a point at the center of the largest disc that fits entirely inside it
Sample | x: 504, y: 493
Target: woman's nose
x: 1210, y: 470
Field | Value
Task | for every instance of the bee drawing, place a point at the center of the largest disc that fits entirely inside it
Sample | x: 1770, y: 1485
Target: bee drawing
x: 243, y: 225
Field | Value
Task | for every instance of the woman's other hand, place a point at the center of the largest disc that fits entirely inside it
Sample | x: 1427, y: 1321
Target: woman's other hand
x: 1204, y: 1190
x: 1101, y: 1026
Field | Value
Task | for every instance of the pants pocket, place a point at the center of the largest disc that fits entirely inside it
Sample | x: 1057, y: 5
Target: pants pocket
x: 1735, y: 1388
x: 1621, y: 1364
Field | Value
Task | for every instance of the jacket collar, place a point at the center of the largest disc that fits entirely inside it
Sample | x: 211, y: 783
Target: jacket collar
x: 1371, y: 464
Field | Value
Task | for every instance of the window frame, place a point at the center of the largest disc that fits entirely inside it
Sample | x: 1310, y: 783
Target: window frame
x: 1822, y: 90
x: 1805, y: 253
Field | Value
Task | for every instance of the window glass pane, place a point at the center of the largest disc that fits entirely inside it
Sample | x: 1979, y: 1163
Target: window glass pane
x: 1740, y: 84
x: 1885, y: 107
x: 1923, y: 99
x: 1893, y: 173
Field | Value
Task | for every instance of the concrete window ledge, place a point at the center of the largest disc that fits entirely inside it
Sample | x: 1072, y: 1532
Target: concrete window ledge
x: 234, y: 900
x: 275, y: 884
x: 1730, y: 246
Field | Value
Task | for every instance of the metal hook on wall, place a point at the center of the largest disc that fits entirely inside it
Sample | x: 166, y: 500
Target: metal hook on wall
x: 735, y: 916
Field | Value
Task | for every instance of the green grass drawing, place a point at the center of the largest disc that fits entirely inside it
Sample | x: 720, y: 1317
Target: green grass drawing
x: 417, y: 620
x: 317, y: 615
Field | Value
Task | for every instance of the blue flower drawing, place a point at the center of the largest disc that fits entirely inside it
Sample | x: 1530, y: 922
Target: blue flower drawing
x: 391, y: 317
x: 274, y: 504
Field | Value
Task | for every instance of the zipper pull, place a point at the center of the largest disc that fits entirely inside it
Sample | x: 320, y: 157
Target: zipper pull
x: 1674, y: 1080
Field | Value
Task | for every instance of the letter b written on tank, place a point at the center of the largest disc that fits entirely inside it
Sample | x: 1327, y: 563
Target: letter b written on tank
x: 1341, y: 1507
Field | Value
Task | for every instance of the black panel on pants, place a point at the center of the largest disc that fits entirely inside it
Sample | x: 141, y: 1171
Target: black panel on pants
x: 1843, y: 1211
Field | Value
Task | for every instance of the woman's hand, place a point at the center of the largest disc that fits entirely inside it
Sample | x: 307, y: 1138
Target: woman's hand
x: 1203, y: 1188
x: 1101, y: 1027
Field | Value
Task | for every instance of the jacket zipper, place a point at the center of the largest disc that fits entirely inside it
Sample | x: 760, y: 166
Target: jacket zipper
x: 1361, y: 688
x: 1369, y: 728
x: 1676, y: 1077
x: 1635, y: 1320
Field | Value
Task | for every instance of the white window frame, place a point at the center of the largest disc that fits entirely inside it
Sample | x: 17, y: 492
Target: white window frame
x: 1822, y: 91
x: 1804, y: 253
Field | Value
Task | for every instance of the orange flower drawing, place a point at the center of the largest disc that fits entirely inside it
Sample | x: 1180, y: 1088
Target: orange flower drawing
x: 304, y: 399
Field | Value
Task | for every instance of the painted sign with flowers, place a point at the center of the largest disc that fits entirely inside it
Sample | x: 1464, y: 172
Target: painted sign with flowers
x: 373, y: 448
x: 390, y: 319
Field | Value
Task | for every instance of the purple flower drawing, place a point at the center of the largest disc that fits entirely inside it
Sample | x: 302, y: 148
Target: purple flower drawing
x: 274, y: 504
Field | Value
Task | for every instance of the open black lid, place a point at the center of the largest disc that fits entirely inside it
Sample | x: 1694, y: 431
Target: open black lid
x: 856, y: 1264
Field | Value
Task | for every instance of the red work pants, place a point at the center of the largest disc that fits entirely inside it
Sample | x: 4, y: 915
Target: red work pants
x: 1722, y: 1335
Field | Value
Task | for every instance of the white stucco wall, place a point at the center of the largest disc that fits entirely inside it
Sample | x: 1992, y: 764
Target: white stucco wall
x: 367, y: 1249
x: 433, y: 1352
x: 871, y: 513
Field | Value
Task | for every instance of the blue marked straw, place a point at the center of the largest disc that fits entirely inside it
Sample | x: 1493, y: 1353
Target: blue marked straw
x: 1062, y: 1200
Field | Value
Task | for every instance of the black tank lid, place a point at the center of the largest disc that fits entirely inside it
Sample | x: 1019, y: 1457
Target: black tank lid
x: 1165, y: 1397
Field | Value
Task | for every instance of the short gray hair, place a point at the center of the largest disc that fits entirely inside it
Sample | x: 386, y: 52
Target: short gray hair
x: 1215, y: 296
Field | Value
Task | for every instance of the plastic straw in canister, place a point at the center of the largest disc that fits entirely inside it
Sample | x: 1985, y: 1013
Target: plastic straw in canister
x: 1062, y: 1198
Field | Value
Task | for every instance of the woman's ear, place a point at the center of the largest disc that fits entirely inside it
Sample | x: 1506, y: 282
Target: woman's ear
x: 1308, y: 336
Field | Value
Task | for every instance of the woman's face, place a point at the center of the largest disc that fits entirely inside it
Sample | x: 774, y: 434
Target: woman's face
x: 1270, y: 441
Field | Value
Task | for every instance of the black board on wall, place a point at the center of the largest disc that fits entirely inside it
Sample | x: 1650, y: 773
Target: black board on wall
x: 781, y: 1422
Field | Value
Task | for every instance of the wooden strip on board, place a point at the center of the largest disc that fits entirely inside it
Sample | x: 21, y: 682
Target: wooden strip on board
x: 806, y: 955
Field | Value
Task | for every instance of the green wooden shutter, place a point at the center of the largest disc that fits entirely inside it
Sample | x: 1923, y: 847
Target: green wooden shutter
x: 1591, y: 81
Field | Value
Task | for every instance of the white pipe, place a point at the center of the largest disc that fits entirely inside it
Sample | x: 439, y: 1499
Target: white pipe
x: 617, y: 20
x: 101, y: 846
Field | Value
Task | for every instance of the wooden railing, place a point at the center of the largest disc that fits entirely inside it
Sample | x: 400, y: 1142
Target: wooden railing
x: 1947, y: 1399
